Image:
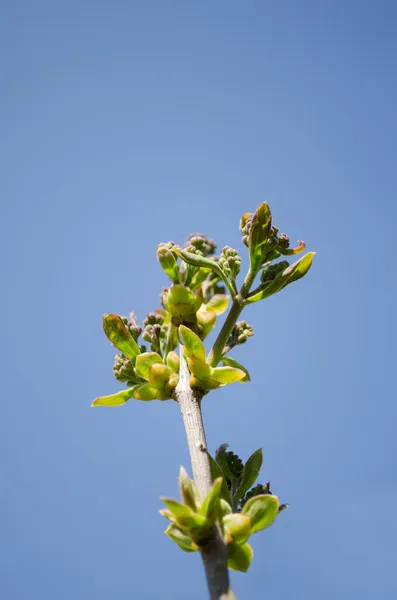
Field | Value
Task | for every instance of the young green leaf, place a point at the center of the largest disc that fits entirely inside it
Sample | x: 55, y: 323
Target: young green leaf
x: 115, y: 399
x: 225, y: 375
x: 216, y: 473
x: 230, y: 362
x: 145, y: 361
x: 239, y: 557
x: 120, y: 337
x: 206, y: 321
x: 173, y: 361
x: 199, y: 368
x: 292, y: 273
x: 238, y: 527
x: 193, y: 345
x: 145, y: 392
x: 188, y: 490
x: 262, y: 510
x: 250, y: 473
x: 206, y: 263
x: 217, y: 304
x: 211, y: 501
x: 182, y: 539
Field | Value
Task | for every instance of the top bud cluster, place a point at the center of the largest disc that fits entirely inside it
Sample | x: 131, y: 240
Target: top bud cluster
x: 201, y: 286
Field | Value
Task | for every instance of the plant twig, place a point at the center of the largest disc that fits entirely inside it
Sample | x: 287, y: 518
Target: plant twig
x: 214, y: 553
x: 235, y: 310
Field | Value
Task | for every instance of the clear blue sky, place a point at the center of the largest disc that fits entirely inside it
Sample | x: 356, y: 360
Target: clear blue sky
x: 124, y: 124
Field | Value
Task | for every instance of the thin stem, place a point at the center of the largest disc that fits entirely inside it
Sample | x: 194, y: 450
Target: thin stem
x: 214, y: 553
x: 235, y: 310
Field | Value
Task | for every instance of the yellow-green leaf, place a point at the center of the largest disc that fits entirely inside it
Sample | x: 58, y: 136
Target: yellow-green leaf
x: 225, y: 375
x: 145, y: 392
x: 239, y: 557
x: 237, y: 526
x: 217, y: 304
x: 120, y: 337
x: 262, y: 510
x: 145, y: 361
x: 194, y: 346
x: 115, y: 399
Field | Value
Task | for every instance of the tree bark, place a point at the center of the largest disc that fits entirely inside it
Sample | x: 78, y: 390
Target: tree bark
x: 214, y: 553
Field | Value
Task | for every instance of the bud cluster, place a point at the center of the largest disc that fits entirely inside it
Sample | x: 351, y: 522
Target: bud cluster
x: 245, y: 227
x: 198, y: 243
x: 230, y: 262
x: 240, y: 333
x: 123, y: 370
x: 132, y: 326
x: 154, y: 330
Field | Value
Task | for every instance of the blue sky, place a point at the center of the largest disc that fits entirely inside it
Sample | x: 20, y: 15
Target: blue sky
x: 125, y: 124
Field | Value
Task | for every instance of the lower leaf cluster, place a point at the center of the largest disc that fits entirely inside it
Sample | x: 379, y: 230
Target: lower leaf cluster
x: 192, y: 521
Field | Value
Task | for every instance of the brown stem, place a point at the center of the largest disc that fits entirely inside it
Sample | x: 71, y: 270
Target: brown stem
x: 214, y: 553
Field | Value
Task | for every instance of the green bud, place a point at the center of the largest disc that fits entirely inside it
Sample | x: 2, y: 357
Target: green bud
x: 230, y: 262
x: 123, y: 370
x: 237, y: 528
x: 182, y: 304
x: 168, y: 262
x: 239, y: 335
x: 132, y: 326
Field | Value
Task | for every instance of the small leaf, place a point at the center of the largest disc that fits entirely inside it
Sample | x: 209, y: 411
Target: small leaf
x: 188, y: 490
x: 145, y: 361
x: 206, y: 263
x: 262, y: 510
x: 211, y: 500
x: 185, y: 517
x: 120, y: 337
x: 182, y: 539
x: 205, y: 320
x: 215, y: 473
x: 238, y: 526
x: 173, y: 361
x: 145, y: 392
x: 194, y: 346
x: 250, y: 473
x: 115, y: 399
x: 230, y: 362
x: 239, y: 557
x: 225, y: 375
x: 199, y: 368
x: 224, y: 509
x: 292, y: 273
x: 217, y: 304
x: 292, y: 251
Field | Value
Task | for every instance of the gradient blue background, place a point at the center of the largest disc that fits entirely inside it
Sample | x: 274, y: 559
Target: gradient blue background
x: 124, y: 124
